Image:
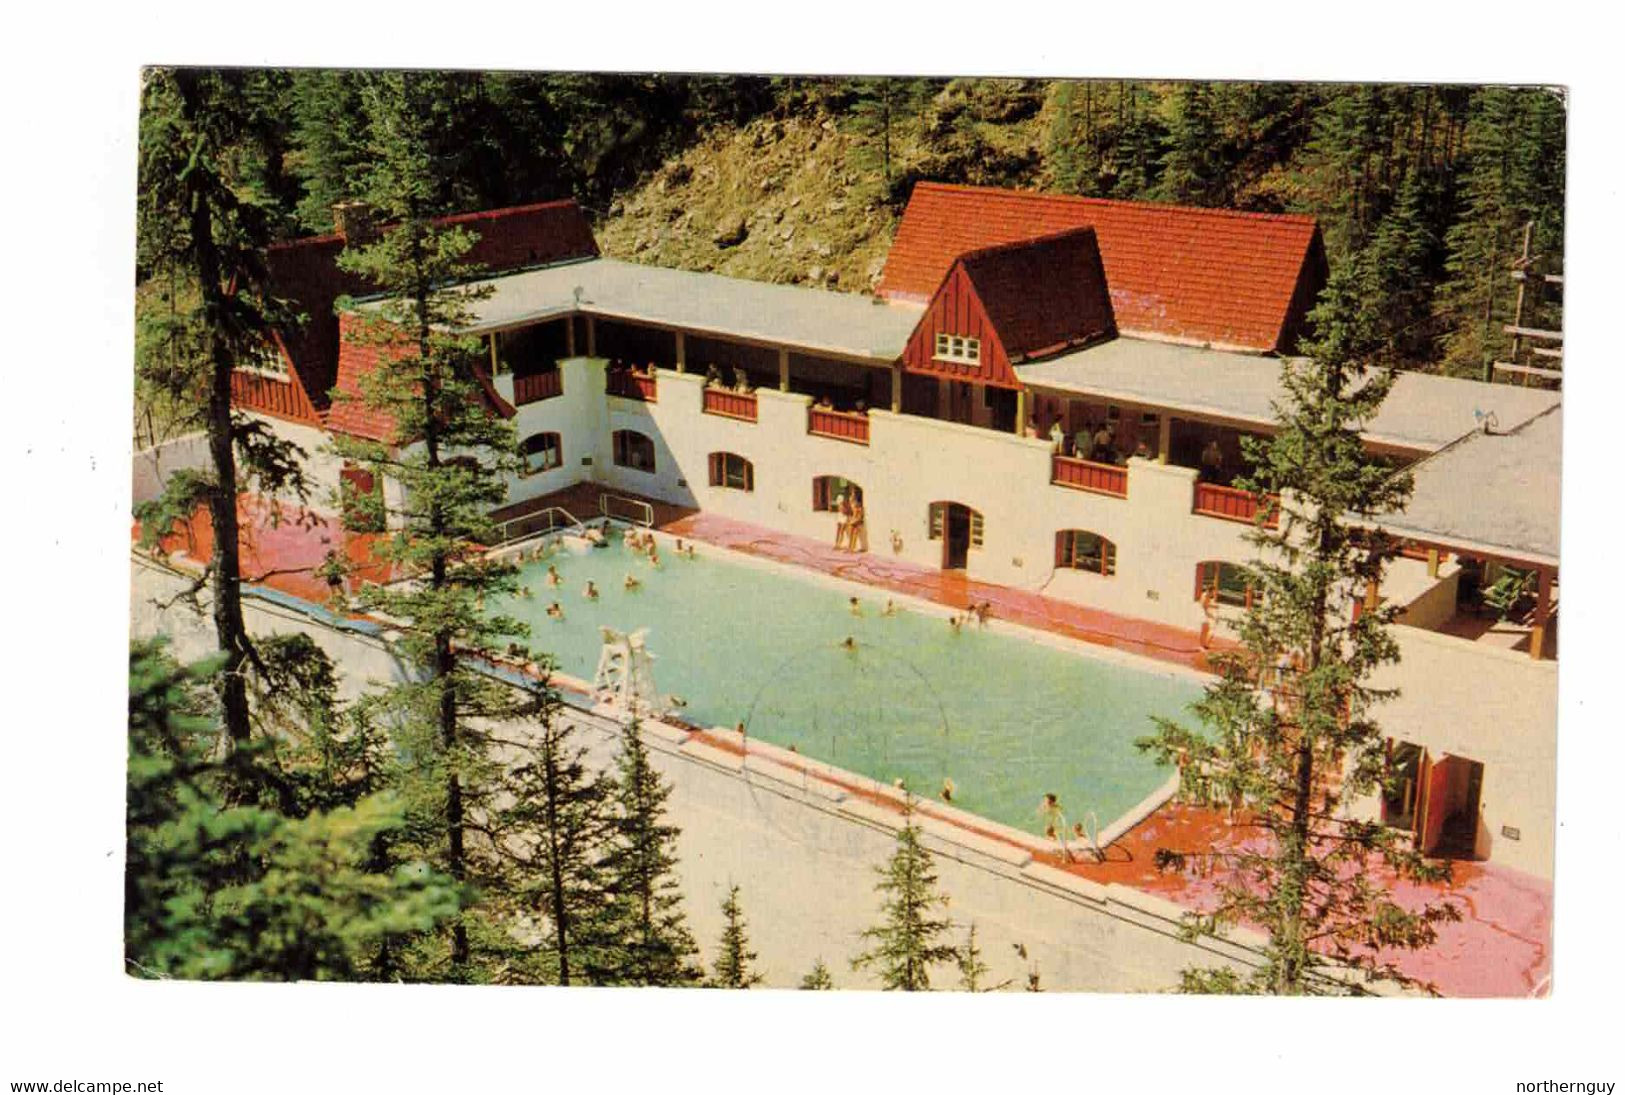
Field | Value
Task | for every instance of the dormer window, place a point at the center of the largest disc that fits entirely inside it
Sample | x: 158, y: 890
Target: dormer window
x: 266, y: 360
x: 959, y: 348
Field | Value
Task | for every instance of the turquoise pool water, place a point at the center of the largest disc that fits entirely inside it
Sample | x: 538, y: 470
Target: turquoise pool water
x: 1005, y: 718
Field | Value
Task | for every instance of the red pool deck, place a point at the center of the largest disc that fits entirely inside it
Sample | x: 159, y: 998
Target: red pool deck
x: 281, y: 547
x: 1153, y: 640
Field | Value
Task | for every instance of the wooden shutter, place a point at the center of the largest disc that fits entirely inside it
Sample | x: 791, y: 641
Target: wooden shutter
x: 716, y: 469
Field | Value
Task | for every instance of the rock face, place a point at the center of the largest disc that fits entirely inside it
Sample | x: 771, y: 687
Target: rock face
x: 731, y: 231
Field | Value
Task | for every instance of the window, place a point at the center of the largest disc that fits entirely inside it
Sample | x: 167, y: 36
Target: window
x: 266, y: 358
x: 732, y: 471
x: 543, y: 451
x: 958, y: 348
x: 1401, y: 784
x: 633, y: 450
x: 827, y: 491
x: 1082, y: 550
x: 1226, y: 581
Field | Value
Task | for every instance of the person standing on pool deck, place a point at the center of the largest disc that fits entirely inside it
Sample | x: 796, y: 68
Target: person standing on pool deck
x: 857, y: 531
x: 843, y: 509
x: 1049, y: 811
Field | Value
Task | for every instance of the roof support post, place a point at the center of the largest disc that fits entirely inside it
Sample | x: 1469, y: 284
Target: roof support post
x: 492, y: 338
x: 681, y: 353
x: 1543, y: 612
x: 592, y: 338
x: 1021, y: 411
x: 1165, y: 436
x: 784, y: 370
x: 1433, y: 562
x: 897, y: 387
x: 570, y: 335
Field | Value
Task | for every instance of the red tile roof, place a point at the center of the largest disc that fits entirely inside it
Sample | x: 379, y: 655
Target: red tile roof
x: 350, y: 414
x: 1216, y: 277
x: 1043, y: 295
x: 305, y: 272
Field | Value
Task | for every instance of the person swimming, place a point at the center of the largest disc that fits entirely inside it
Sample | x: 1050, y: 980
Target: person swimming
x: 555, y: 611
x: 631, y: 583
x: 955, y: 623
x: 591, y: 592
x: 854, y: 606
x: 554, y: 578
x: 890, y: 609
x: 849, y: 643
x: 947, y: 792
x: 524, y: 591
x: 654, y: 553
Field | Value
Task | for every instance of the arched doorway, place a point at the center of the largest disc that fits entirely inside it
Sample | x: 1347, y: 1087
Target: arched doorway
x: 959, y: 528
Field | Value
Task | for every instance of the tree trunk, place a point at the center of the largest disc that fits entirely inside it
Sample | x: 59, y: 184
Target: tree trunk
x: 230, y: 633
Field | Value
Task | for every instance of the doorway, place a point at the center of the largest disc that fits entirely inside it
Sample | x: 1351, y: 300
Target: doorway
x: 959, y: 528
x: 1452, y: 787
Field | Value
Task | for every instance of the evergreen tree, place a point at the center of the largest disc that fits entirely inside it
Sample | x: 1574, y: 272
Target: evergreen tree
x: 449, y: 455
x: 221, y: 891
x: 1193, y: 168
x: 971, y: 967
x: 904, y: 945
x: 556, y: 824
x: 1138, y: 146
x: 1515, y: 144
x: 652, y: 944
x: 204, y: 221
x: 1289, y: 736
x: 818, y: 978
x: 734, y: 956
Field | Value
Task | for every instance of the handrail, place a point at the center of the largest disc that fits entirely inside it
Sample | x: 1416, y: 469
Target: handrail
x: 647, y: 520
x: 529, y: 527
x: 537, y: 387
x: 840, y: 425
x: 630, y: 385
x: 1080, y: 474
x: 726, y: 403
x: 1233, y: 504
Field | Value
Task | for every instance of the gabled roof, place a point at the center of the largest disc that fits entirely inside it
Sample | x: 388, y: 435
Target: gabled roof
x: 1045, y: 295
x: 351, y: 415
x: 1213, y: 277
x: 305, y: 272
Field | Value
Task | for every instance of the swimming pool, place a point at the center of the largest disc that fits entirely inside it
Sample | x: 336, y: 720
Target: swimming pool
x: 1007, y: 719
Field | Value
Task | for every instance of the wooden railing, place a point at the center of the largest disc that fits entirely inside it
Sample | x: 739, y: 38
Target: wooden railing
x: 841, y: 425
x: 630, y: 386
x: 540, y: 386
x: 1230, y: 504
x: 729, y: 404
x: 1069, y: 471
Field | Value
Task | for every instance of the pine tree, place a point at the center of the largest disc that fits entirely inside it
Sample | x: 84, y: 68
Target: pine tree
x: 556, y: 826
x: 734, y: 956
x: 1515, y: 144
x: 204, y: 222
x: 449, y: 455
x: 215, y: 890
x: 652, y: 944
x: 904, y: 946
x: 1193, y: 168
x: 971, y: 967
x: 818, y: 978
x: 1288, y: 732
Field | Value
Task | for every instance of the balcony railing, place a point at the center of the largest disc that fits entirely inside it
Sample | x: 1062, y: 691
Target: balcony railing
x: 1069, y: 471
x: 537, y: 387
x: 629, y: 385
x: 729, y: 404
x: 841, y: 425
x: 1230, y: 504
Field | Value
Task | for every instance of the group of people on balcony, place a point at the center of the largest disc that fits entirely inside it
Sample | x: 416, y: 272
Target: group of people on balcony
x: 1098, y: 444
x: 739, y: 380
x: 825, y: 403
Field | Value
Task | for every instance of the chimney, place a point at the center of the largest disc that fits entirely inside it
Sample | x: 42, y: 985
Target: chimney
x: 353, y: 221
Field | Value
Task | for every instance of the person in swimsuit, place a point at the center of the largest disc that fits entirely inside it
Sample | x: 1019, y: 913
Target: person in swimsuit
x: 857, y: 532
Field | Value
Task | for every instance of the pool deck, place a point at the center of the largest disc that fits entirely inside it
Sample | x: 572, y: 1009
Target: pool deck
x: 1501, y: 947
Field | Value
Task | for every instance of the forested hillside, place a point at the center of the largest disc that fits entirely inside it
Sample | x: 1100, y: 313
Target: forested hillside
x: 1426, y: 189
